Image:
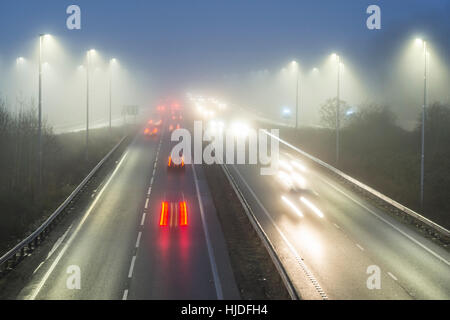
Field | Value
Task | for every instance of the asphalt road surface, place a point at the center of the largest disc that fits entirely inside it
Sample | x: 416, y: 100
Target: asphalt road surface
x: 120, y: 248
x: 332, y: 241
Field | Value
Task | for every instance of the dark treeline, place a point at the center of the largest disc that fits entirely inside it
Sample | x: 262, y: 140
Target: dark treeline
x: 378, y: 152
x: 23, y: 202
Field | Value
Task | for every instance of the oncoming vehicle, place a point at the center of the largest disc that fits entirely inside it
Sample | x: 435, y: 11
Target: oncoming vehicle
x: 291, y: 182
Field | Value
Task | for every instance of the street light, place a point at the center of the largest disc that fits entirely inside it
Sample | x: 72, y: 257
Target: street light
x: 89, y: 53
x: 423, y: 44
x: 294, y: 63
x: 111, y: 63
x: 41, y: 38
x: 338, y: 94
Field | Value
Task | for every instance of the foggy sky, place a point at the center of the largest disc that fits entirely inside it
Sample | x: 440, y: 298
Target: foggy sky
x: 168, y: 46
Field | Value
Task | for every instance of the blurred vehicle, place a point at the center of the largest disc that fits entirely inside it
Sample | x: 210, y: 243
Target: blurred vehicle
x: 173, y: 214
x: 151, y: 131
x: 171, y: 164
x: 153, y: 127
x: 292, y: 181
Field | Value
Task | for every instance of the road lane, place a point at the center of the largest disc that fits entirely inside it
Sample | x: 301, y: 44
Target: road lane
x: 121, y: 251
x: 174, y: 261
x: 339, y: 247
x: 101, y: 247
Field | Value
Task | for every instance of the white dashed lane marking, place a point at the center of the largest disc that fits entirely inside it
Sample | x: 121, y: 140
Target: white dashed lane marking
x: 392, y: 276
x: 138, y: 240
x: 143, y: 219
x: 130, y: 273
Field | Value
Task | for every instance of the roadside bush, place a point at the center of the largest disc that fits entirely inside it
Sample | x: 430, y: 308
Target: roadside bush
x: 23, y: 203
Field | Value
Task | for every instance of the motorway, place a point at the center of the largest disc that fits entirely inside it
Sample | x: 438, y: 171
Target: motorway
x: 120, y: 248
x: 331, y: 240
x: 328, y: 236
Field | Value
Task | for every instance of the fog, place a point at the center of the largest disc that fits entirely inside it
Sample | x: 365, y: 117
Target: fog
x: 64, y: 84
x: 399, y: 85
x: 269, y: 92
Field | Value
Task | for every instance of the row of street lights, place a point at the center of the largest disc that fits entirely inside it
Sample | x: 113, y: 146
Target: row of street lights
x: 297, y: 92
x: 89, y: 54
x: 337, y: 58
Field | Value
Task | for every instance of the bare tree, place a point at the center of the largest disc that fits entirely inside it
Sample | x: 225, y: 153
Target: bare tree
x: 328, y: 112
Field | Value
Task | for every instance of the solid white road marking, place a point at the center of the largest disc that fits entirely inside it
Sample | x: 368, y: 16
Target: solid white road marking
x: 74, y: 234
x: 294, y: 252
x: 388, y: 223
x: 365, y: 207
x: 130, y: 273
x: 138, y: 240
x: 212, y: 261
x: 125, y: 295
x: 58, y: 243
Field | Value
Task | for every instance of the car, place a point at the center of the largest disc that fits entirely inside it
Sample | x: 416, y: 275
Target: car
x: 172, y: 165
x: 173, y: 214
x: 291, y: 182
x: 151, y: 131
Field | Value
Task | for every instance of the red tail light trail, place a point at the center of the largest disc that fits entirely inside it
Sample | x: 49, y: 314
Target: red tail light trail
x: 164, y: 214
x: 183, y: 214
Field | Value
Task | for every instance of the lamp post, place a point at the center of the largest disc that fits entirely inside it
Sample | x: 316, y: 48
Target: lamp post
x: 19, y: 64
x: 87, y: 100
x: 111, y: 63
x: 294, y: 63
x: 338, y: 105
x: 424, y: 106
x: 41, y: 38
